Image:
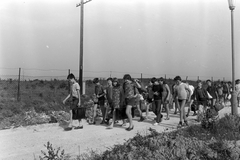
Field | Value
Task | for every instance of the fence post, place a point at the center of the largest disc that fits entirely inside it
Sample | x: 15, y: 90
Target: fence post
x: 141, y: 77
x: 68, y: 82
x: 186, y: 78
x: 165, y: 77
x: 18, y: 92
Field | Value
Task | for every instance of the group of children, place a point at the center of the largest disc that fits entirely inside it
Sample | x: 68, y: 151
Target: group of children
x: 122, y: 99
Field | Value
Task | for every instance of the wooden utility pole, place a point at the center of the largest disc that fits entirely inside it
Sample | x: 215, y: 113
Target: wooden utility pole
x: 81, y: 4
x: 18, y: 93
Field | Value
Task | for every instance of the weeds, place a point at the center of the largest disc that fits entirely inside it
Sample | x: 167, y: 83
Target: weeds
x: 52, y: 154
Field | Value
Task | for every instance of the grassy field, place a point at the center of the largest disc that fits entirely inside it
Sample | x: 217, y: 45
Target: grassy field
x: 39, y: 95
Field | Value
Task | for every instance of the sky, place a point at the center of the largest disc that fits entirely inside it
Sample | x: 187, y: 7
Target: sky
x: 153, y: 37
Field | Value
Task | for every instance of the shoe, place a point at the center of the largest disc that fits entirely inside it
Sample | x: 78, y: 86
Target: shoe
x: 79, y: 127
x: 141, y: 119
x: 186, y: 122
x: 93, y: 123
x: 124, y: 124
x: 187, y: 115
x: 155, y: 124
x: 180, y: 124
x: 68, y: 129
x: 161, y: 119
x: 129, y: 129
x: 109, y: 127
x: 167, y: 118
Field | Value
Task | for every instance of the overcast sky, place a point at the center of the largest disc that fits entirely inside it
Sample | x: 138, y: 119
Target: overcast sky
x: 154, y: 37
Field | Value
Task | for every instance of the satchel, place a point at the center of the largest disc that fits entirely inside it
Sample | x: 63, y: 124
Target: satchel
x: 78, y: 113
x: 219, y: 106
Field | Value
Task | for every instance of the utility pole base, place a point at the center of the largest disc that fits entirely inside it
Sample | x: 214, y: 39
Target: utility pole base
x: 234, y: 103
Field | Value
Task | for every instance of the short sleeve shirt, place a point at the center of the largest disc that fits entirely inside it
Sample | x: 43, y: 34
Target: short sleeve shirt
x: 74, y: 89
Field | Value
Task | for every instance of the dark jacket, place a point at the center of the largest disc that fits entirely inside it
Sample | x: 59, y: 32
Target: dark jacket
x: 158, y: 89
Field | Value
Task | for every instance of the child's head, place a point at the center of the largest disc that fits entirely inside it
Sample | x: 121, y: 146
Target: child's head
x: 109, y: 81
x: 237, y: 81
x: 115, y: 82
x: 161, y: 80
x: 154, y: 80
x: 209, y: 82
x: 178, y: 79
x: 150, y: 83
x: 127, y: 78
x: 71, y: 77
x: 199, y: 83
x: 96, y: 81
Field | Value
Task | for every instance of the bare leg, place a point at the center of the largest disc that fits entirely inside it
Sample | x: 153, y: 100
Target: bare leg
x: 147, y: 110
x: 70, y: 123
x: 167, y: 110
x: 113, y: 119
x: 103, y: 109
x: 129, y: 114
x: 94, y: 113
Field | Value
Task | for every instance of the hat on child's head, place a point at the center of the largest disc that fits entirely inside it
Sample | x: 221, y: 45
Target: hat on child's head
x: 95, y: 80
x: 177, y: 78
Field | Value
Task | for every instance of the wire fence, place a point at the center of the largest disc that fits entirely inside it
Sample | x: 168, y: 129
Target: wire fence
x: 25, y: 74
x: 18, y: 79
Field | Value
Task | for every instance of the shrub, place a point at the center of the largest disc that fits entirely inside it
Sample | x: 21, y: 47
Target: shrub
x: 52, y: 86
x: 52, y: 154
x: 63, y: 85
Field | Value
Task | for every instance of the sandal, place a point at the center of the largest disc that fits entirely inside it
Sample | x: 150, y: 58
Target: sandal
x: 109, y: 127
x: 167, y: 118
x: 79, y: 127
x: 68, y: 129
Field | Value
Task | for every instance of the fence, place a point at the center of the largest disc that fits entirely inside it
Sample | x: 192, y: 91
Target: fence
x: 19, y: 75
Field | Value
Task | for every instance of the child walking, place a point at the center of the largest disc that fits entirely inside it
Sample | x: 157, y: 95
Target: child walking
x: 117, y: 94
x: 100, y: 95
x: 130, y: 93
x: 165, y: 96
x: 76, y: 101
x: 157, y: 96
x: 180, y: 92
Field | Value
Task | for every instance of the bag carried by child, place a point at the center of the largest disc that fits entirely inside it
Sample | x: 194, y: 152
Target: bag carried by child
x: 78, y: 113
x: 218, y: 106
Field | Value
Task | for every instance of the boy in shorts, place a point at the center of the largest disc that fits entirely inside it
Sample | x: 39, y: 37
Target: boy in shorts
x: 180, y: 91
x: 76, y: 100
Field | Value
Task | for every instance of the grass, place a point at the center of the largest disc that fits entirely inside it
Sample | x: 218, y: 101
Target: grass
x: 191, y: 143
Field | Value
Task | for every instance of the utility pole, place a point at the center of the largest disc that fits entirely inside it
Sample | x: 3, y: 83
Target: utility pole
x: 81, y: 4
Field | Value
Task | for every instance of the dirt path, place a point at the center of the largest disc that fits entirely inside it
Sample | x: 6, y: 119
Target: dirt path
x: 27, y: 142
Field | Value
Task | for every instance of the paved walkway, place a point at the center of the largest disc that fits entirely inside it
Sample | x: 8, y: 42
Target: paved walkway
x: 27, y: 142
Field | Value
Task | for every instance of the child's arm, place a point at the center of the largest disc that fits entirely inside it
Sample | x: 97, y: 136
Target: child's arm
x: 189, y: 90
x: 64, y: 101
x: 168, y: 90
x: 79, y: 98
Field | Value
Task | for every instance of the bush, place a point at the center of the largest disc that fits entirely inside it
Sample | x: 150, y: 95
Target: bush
x: 52, y: 154
x: 63, y: 85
